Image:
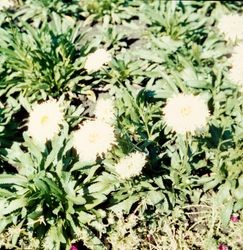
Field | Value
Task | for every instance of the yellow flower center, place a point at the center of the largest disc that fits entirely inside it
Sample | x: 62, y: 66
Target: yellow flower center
x: 44, y: 119
x: 185, y: 111
x: 93, y: 137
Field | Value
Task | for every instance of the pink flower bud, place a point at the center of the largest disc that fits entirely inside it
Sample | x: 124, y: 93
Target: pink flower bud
x: 234, y: 218
x: 74, y: 246
x: 223, y: 247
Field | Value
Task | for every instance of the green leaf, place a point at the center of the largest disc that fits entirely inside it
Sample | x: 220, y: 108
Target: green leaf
x: 226, y: 212
x: 91, y: 173
x: 4, y: 221
x: 54, y: 189
x: 5, y: 193
x: 238, y: 205
x: 24, y: 102
x: 79, y: 166
x: 77, y: 200
x: 94, y: 200
x: 13, y: 179
x: 41, y: 185
x: 17, y: 233
x: 104, y: 184
x: 224, y: 193
x: 55, y: 234
x: 125, y: 205
x: 92, y: 241
x: 33, y: 148
x: 211, y: 184
x: 13, y: 206
x: 238, y: 193
x: 57, y: 144
x: 159, y: 182
x: 167, y: 44
x: 84, y: 217
x: 154, y: 197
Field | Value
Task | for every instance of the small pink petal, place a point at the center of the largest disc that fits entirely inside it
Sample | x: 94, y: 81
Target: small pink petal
x: 234, y: 218
x: 74, y: 247
x: 223, y: 247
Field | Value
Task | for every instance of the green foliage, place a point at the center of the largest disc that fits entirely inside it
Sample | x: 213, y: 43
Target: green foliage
x: 52, y: 195
x: 43, y: 61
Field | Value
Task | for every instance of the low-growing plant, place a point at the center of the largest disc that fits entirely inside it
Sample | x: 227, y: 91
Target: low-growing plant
x: 52, y: 195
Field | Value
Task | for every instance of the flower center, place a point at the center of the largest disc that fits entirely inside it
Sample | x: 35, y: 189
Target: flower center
x: 185, y: 111
x: 93, y: 137
x: 44, y: 119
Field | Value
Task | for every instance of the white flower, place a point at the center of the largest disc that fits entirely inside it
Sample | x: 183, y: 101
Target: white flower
x: 237, y: 55
x: 186, y: 113
x: 236, y: 75
x: 5, y: 4
x: 97, y: 59
x: 236, y: 72
x: 104, y: 110
x: 92, y: 139
x: 131, y: 165
x: 44, y: 121
x: 231, y: 26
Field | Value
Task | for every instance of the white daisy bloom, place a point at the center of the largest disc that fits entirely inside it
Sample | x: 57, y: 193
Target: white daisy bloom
x: 93, y: 139
x: 96, y: 60
x: 5, y: 4
x: 186, y: 113
x: 104, y: 110
x: 131, y: 165
x: 236, y: 72
x: 44, y: 121
x: 236, y: 75
x: 237, y: 55
x: 231, y: 26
